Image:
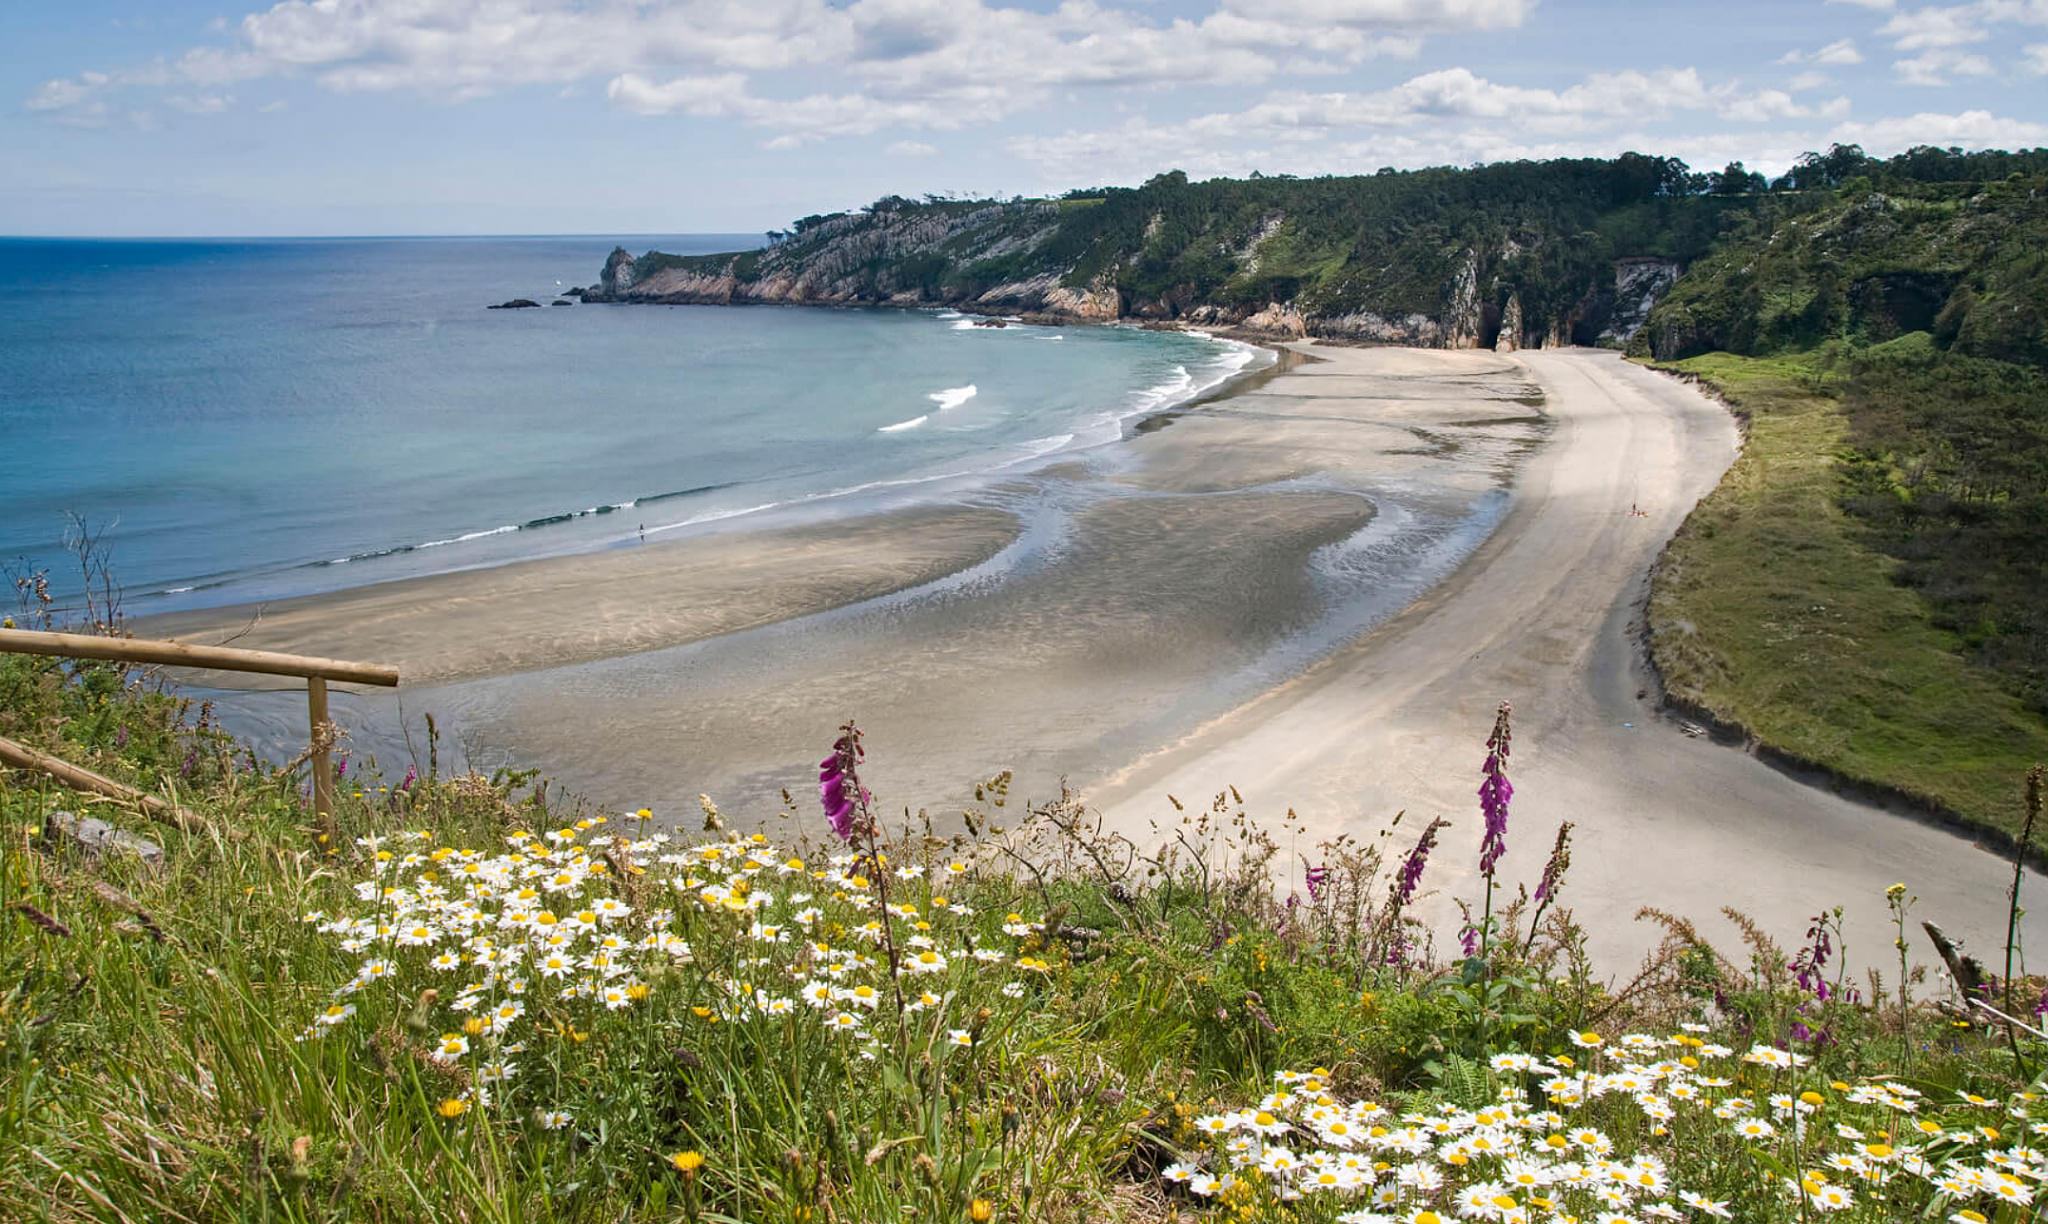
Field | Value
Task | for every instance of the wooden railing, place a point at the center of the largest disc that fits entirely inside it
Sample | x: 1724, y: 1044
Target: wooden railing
x: 315, y: 671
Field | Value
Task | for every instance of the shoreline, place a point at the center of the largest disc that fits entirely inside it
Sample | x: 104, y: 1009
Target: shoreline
x: 1245, y: 599
x: 337, y: 616
x: 1137, y: 587
x: 557, y: 611
x: 870, y: 497
x: 1544, y: 614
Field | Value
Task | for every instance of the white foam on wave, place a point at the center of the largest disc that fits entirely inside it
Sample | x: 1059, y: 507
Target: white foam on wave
x: 912, y: 423
x: 467, y: 536
x: 1039, y: 446
x: 966, y: 324
x: 1181, y: 385
x: 949, y: 314
x: 952, y: 397
x: 712, y: 516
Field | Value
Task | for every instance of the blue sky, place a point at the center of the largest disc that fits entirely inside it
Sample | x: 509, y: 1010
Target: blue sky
x: 170, y: 117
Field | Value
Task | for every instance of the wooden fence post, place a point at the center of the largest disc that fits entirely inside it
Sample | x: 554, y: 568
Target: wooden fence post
x: 323, y: 761
x: 317, y: 673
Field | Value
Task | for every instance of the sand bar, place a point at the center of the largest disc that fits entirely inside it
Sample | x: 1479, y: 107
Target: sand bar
x: 555, y: 611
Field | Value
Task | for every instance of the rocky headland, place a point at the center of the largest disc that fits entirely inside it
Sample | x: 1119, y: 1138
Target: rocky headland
x: 1537, y: 255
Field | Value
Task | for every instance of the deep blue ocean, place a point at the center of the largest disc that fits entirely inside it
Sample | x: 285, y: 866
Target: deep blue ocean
x: 252, y: 419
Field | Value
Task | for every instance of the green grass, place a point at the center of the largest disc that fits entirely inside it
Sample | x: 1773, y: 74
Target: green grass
x: 162, y: 1056
x: 1770, y: 611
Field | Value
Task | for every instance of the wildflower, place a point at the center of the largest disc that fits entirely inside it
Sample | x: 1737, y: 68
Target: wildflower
x: 687, y: 1163
x: 452, y: 1047
x: 556, y: 1119
x: 959, y: 1037
x: 1410, y: 875
x: 336, y: 1013
x: 1495, y: 791
x: 1776, y: 1059
x: 1553, y: 870
x: 980, y: 1211
x: 452, y: 1107
x: 1314, y: 877
x: 836, y: 774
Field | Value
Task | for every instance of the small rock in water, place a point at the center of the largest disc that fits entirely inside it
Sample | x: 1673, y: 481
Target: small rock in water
x: 97, y: 837
x: 514, y: 304
x: 991, y: 323
x: 561, y: 302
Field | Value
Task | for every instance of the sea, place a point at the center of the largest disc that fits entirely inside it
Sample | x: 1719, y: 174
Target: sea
x: 240, y: 420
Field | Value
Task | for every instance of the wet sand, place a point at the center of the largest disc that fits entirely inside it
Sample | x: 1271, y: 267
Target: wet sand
x: 558, y: 611
x: 1151, y: 584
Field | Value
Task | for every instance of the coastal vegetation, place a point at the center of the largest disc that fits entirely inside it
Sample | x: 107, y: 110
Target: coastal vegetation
x: 1883, y: 530
x: 1776, y: 608
x: 479, y: 1001
x: 1439, y: 255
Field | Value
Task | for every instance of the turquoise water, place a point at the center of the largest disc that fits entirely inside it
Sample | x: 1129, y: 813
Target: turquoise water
x: 254, y: 419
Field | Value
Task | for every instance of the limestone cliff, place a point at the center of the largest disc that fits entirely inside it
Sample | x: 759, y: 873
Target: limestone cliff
x: 1497, y: 257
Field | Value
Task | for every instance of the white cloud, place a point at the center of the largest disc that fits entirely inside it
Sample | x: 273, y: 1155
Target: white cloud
x: 918, y: 63
x: 1883, y: 6
x: 1432, y: 15
x: 1920, y: 29
x: 911, y: 148
x: 65, y: 94
x: 2037, y: 59
x: 704, y: 95
x: 1841, y: 51
x: 1451, y: 116
x: 1936, y: 65
x: 1972, y: 129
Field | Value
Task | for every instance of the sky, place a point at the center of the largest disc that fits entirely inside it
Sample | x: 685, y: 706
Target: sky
x: 325, y: 117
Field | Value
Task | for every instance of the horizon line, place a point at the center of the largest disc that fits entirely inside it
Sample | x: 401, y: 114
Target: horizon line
x: 613, y: 234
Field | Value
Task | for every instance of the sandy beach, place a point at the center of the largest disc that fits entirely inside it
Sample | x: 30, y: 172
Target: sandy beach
x: 558, y: 611
x: 1545, y: 615
x: 1314, y: 589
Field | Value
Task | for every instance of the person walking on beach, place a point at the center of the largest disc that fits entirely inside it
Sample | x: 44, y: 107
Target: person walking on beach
x: 643, y: 533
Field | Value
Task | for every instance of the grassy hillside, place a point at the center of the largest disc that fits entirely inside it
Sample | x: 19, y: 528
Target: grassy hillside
x: 1866, y: 589
x: 1775, y: 607
x: 476, y: 1005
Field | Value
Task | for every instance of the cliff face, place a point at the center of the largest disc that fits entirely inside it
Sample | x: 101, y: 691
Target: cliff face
x: 867, y: 268
x: 1503, y: 257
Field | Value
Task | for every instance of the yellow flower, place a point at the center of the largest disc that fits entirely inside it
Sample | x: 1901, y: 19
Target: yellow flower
x: 980, y: 1210
x: 687, y: 1163
x: 1812, y: 1098
x: 453, y: 1107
